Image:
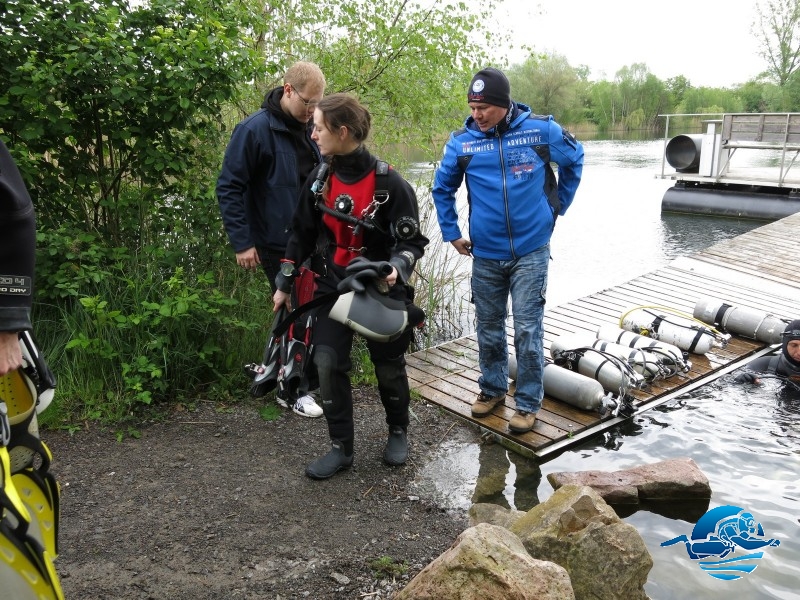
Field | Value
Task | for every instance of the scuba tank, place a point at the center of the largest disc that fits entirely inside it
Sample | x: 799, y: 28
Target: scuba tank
x: 669, y: 355
x: 570, y: 387
x: 613, y: 373
x: 673, y: 327
x: 647, y: 365
x: 741, y: 320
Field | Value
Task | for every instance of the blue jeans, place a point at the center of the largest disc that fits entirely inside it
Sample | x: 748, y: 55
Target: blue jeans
x: 525, y: 278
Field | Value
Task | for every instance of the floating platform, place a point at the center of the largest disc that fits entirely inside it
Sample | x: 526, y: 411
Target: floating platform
x: 743, y: 165
x: 757, y: 270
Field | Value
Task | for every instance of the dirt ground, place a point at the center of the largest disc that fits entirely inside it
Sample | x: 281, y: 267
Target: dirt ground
x: 213, y: 503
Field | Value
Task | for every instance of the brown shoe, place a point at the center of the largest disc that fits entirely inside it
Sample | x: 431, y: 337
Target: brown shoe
x: 484, y: 404
x: 521, y: 422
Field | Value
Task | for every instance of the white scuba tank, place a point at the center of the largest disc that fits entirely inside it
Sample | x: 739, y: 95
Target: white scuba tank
x: 668, y: 353
x: 642, y: 362
x: 614, y: 374
x: 665, y: 325
x: 741, y: 320
x: 570, y: 387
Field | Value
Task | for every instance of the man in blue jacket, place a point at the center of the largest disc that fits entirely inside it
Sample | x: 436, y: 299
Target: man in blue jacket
x: 268, y: 158
x: 504, y: 154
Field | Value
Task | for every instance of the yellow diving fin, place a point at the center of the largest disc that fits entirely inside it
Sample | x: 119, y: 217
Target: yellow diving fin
x: 19, y: 394
x: 30, y: 460
x: 40, y: 495
x: 29, y: 497
x: 26, y: 568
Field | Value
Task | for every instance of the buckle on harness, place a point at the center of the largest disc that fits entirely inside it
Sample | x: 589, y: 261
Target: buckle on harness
x: 5, y: 425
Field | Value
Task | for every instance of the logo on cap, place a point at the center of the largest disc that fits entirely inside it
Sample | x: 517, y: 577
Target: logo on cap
x: 478, y: 85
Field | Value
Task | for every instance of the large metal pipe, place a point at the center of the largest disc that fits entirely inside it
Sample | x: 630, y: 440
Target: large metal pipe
x: 683, y: 153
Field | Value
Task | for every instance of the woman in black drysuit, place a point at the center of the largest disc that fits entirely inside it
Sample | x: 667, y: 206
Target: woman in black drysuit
x: 785, y: 365
x: 348, y: 226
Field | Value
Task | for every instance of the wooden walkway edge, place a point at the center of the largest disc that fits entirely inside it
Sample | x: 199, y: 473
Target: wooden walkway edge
x: 757, y: 270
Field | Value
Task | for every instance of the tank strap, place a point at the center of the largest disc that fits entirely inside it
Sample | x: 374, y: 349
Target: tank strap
x: 698, y: 336
x: 720, y: 314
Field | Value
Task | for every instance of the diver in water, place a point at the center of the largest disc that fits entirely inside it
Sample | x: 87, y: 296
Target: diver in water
x: 785, y: 365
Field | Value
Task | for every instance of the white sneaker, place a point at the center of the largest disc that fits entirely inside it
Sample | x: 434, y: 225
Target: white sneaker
x: 307, y: 407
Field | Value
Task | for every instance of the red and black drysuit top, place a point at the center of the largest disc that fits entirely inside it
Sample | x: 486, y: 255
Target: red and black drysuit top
x: 332, y: 242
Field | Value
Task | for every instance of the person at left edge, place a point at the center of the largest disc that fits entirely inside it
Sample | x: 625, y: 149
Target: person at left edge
x: 269, y: 156
x: 17, y: 260
x: 389, y: 232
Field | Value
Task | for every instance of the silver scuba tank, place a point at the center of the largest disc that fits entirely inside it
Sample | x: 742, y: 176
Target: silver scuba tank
x: 741, y: 320
x: 614, y: 374
x: 570, y: 387
x: 669, y: 354
x: 662, y: 324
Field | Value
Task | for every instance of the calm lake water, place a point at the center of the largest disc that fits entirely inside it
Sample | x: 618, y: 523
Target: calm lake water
x: 746, y: 439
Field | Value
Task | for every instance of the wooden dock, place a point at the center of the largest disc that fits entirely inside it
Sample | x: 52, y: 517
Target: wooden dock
x: 758, y: 270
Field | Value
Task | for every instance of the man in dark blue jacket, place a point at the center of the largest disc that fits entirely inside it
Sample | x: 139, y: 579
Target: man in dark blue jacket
x: 268, y: 158
x: 505, y: 153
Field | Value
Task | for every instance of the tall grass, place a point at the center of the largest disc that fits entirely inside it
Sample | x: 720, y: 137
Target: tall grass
x: 441, y: 277
x: 140, y: 330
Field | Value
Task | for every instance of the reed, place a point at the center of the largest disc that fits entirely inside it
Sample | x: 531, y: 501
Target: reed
x: 441, y: 279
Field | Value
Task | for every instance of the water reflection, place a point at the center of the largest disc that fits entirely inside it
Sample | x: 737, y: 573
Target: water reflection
x: 496, y: 465
x: 683, y: 235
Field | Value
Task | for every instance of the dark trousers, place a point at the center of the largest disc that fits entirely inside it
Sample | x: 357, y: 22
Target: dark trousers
x: 333, y: 342
x: 271, y: 263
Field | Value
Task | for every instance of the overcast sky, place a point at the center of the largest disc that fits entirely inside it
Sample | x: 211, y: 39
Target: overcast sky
x: 708, y: 41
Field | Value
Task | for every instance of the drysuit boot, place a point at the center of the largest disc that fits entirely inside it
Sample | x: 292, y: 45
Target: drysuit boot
x: 396, y: 451
x: 330, y: 464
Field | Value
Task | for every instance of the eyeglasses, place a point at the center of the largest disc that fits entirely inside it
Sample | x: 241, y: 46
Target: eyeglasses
x: 306, y: 103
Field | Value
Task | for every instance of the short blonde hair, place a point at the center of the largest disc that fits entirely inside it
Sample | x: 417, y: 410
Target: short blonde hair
x: 302, y: 74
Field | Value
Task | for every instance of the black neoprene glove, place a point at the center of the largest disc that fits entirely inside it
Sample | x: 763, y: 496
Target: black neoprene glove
x: 361, y: 270
x: 746, y: 377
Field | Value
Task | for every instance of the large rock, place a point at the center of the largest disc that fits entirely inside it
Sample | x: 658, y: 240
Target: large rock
x: 675, y: 479
x: 493, y: 514
x: 487, y: 561
x: 606, y: 558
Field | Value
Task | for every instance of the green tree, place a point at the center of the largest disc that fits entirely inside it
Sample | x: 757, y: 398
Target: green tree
x: 103, y: 97
x: 777, y: 28
x: 642, y: 97
x: 409, y: 64
x: 676, y: 87
x: 604, y: 104
x: 549, y: 85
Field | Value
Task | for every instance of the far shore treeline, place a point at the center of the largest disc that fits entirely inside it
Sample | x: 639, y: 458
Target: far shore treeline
x: 118, y: 113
